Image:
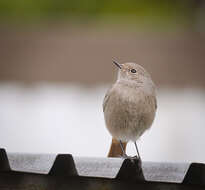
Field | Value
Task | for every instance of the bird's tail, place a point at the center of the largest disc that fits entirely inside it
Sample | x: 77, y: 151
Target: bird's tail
x: 115, y: 149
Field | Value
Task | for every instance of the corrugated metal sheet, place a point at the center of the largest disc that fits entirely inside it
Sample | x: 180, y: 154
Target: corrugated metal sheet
x: 37, y: 171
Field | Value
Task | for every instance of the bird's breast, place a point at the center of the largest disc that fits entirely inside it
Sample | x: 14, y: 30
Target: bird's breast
x: 129, y: 111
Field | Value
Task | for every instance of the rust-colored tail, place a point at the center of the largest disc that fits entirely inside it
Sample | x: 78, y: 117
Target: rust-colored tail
x: 115, y: 149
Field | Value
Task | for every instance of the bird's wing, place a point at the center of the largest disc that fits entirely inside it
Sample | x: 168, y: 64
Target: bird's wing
x: 155, y: 102
x: 106, y: 98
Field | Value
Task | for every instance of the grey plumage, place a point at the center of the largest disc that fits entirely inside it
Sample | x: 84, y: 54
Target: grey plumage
x: 130, y: 104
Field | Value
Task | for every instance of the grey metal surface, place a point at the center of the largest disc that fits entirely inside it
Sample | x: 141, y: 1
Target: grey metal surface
x: 98, y: 167
x: 26, y: 171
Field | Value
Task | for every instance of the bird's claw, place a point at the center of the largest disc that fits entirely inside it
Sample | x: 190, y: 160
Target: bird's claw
x: 134, y: 159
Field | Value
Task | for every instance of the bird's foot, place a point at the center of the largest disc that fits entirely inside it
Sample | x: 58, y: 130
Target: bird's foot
x: 135, y: 159
x: 139, y: 163
x: 125, y: 156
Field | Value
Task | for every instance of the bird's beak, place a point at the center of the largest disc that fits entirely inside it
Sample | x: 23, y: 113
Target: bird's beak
x: 117, y: 64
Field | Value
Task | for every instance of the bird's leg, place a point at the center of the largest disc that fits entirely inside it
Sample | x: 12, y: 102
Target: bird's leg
x: 138, y: 155
x: 123, y: 151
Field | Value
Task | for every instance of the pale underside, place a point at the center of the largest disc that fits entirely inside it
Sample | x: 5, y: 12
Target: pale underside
x: 128, y: 112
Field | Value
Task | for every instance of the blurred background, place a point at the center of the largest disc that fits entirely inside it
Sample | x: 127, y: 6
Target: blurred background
x: 56, y: 65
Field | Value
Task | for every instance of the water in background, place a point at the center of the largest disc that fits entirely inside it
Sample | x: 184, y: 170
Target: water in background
x: 53, y: 118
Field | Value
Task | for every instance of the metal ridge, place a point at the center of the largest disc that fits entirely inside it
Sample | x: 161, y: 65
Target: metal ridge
x: 63, y: 175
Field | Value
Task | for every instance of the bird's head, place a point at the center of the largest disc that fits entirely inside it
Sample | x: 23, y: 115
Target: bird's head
x: 131, y: 71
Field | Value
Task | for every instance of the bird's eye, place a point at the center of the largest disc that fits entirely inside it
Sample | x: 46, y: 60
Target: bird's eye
x: 133, y: 71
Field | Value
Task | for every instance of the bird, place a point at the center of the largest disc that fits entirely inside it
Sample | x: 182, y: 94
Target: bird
x: 130, y: 105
